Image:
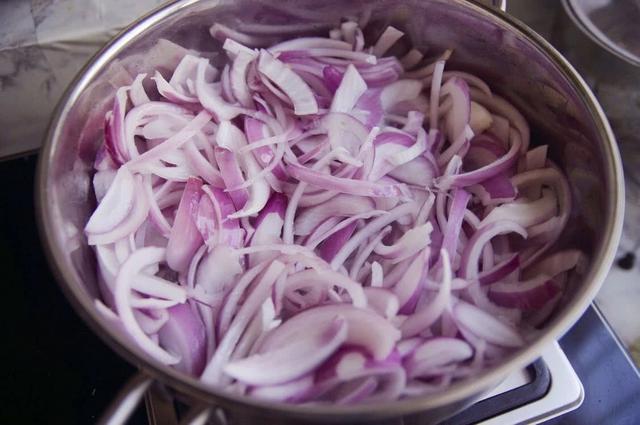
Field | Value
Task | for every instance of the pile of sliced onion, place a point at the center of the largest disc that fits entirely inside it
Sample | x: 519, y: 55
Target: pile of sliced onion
x: 318, y: 222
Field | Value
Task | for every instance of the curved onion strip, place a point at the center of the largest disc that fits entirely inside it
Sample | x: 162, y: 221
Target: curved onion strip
x: 213, y: 371
x: 133, y: 265
x: 427, y: 315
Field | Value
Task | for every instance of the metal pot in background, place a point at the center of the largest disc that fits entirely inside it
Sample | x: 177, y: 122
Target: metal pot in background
x: 514, y: 60
x: 604, y: 45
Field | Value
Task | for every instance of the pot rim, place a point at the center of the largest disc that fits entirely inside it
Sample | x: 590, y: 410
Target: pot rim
x: 194, y: 388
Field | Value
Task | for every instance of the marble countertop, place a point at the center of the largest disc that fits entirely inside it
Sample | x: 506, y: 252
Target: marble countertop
x: 43, y: 44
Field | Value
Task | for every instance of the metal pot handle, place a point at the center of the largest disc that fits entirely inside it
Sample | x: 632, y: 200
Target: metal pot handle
x: 126, y: 400
x: 160, y: 410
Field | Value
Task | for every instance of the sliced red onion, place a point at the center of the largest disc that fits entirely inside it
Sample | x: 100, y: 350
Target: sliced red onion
x: 137, y: 94
x: 419, y: 171
x: 500, y: 270
x: 553, y: 177
x: 536, y: 157
x: 296, y: 89
x: 169, y: 146
x: 409, y: 244
x: 471, y: 255
x: 528, y: 295
x: 267, y: 232
x: 427, y: 70
x: 329, y: 278
x: 495, y: 190
x: 500, y: 127
x: 292, y: 360
x: 169, y: 92
x: 413, y: 152
x: 339, y: 206
x: 459, y: 115
x: 557, y: 263
x: 330, y: 56
x: 409, y: 287
x: 453, y: 227
x: 365, y: 252
x: 344, y: 131
x: 115, y: 205
x: 332, y: 244
x: 305, y: 43
x: 485, y: 173
x: 332, y: 78
x: 185, y: 238
x: 184, y: 334
x: 458, y: 147
x: 233, y: 297
x: 351, y: 87
x: 260, y: 293
x: 314, y: 244
x: 382, y: 301
x: 480, y: 119
x: 131, y: 222
x: 427, y: 314
x: 399, y: 91
x: 114, y: 132
x: 292, y: 391
x: 210, y: 97
x: 471, y: 80
x: 374, y: 226
x: 232, y: 176
x: 184, y: 75
x: 355, y: 391
x: 230, y: 136
x: 222, y: 33
x: 386, y: 40
x: 477, y: 295
x: 365, y: 328
x: 128, y: 270
x: 214, y: 222
x: 435, y: 353
x: 498, y: 105
x: 349, y: 186
x: 485, y: 326
x: 238, y: 77
x: 526, y: 213
x: 233, y: 48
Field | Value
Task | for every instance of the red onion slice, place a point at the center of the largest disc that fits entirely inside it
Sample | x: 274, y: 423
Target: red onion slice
x: 296, y: 89
x: 115, y: 205
x: 485, y: 326
x: 428, y: 357
x: 292, y: 360
x: 351, y: 87
x: 184, y: 334
x: 528, y: 295
x: 185, y: 238
x: 366, y: 328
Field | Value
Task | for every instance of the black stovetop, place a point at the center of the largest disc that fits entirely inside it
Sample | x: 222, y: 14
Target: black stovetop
x: 55, y: 370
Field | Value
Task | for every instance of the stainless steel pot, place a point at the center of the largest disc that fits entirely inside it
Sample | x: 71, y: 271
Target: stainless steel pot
x: 514, y: 60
